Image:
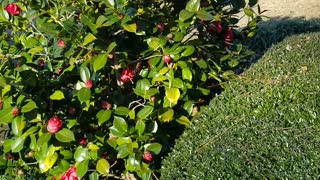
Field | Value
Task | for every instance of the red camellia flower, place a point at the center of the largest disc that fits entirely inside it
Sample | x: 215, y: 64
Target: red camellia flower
x: 88, y: 84
x: 147, y: 156
x: 70, y: 174
x: 160, y: 27
x: 82, y: 141
x: 166, y: 59
x: 54, y: 124
x: 15, y: 111
x: 13, y: 9
x: 215, y: 28
x: 61, y: 43
x: 126, y: 75
x: 228, y: 37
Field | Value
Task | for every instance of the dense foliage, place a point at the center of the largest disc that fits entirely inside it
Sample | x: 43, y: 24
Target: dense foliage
x: 101, y: 88
x: 265, y: 125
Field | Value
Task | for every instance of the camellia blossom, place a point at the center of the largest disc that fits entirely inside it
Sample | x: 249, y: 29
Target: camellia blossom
x: 228, y: 37
x: 13, y: 9
x: 147, y: 156
x: 126, y: 75
x: 54, y: 124
x: 70, y: 174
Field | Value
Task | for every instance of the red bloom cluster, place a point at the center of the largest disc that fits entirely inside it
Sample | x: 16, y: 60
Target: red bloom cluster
x: 70, y: 174
x: 126, y: 75
x: 54, y: 124
x: 13, y: 9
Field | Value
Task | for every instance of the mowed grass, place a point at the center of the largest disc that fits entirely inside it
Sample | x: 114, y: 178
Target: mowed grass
x: 265, y: 125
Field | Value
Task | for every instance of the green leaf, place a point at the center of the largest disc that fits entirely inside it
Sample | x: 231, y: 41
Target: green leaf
x: 6, y: 115
x: 88, y: 39
x: 248, y: 12
x: 99, y: 61
x: 123, y: 151
x: 187, y: 74
x: 130, y: 27
x: 47, y: 163
x: 204, y: 15
x: 67, y: 154
x: 184, y: 120
x: 84, y: 94
x: 233, y: 63
x: 132, y: 114
x: 101, y: 19
x: 30, y: 131
x: 111, y: 47
x: 120, y: 124
x: 122, y: 111
x: 82, y: 168
x: 153, y: 147
x: 65, y: 135
x: 193, y: 5
x: 140, y: 127
x: 173, y: 95
x: 145, y: 112
x: 202, y: 64
x: 177, y: 83
x: 177, y: 36
x: 17, y: 144
x: 143, y: 84
x: 29, y: 107
x: 189, y: 50
x: 4, y: 16
x: 188, y: 106
x: 18, y: 124
x: 84, y: 73
x: 57, y: 95
x: 185, y: 15
x: 153, y: 43
x: 94, y: 176
x: 81, y: 154
x: 43, y: 139
x: 204, y: 91
x: 166, y: 115
x: 103, y: 166
x: 103, y: 116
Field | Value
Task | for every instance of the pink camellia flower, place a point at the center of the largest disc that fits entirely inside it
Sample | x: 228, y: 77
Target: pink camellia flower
x: 126, y: 75
x: 147, y: 156
x: 228, y: 37
x: 82, y: 141
x: 70, y: 174
x: 13, y: 9
x: 15, y: 111
x: 54, y: 124
x: 88, y: 84
x: 61, y: 43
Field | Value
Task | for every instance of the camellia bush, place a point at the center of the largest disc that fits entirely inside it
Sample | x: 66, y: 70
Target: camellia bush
x: 100, y: 89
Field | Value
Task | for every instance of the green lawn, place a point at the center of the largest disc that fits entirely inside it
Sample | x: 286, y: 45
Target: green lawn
x: 265, y: 125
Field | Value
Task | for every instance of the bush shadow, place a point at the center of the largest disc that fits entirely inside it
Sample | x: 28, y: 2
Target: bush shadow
x: 275, y: 30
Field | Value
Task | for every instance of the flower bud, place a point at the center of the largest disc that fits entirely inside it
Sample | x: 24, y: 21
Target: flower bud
x: 54, y: 124
x: 15, y: 111
x: 147, y: 156
x: 13, y: 9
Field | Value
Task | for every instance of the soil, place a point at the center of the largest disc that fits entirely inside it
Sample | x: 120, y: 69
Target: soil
x: 306, y: 9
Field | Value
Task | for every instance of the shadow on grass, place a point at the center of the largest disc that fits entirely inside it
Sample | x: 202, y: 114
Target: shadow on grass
x: 275, y: 30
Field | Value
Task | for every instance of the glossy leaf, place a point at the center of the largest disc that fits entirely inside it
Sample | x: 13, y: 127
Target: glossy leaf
x: 184, y: 120
x: 173, y: 95
x: 185, y: 15
x: 189, y: 50
x: 82, y: 168
x: 140, y: 127
x: 193, y: 5
x: 65, y: 135
x: 88, y: 39
x: 204, y: 15
x: 17, y: 144
x: 166, y: 115
x: 99, y: 61
x: 6, y: 115
x: 130, y: 27
x: 18, y: 124
x: 103, y: 166
x: 188, y: 106
x: 153, y: 43
x: 153, y: 147
x: 103, y: 116
x: 57, y: 95
x: 81, y: 154
x: 187, y: 74
x: 84, y: 73
x: 84, y: 94
x: 145, y: 112
x: 47, y: 163
x: 122, y: 111
x: 120, y: 124
x: 143, y: 84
